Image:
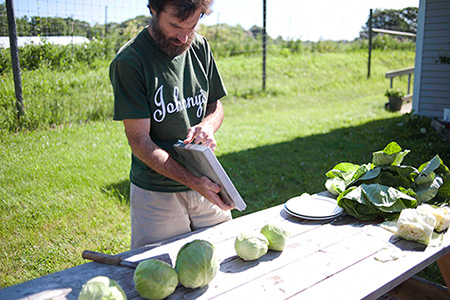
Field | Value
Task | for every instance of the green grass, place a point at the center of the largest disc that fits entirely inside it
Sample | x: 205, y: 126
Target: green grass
x: 64, y: 188
x: 59, y: 197
x: 55, y: 97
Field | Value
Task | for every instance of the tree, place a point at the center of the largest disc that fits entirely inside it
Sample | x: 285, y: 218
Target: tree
x: 3, y: 20
x: 256, y: 31
x: 392, y: 19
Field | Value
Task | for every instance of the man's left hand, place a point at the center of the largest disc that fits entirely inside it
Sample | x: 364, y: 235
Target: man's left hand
x: 201, y: 134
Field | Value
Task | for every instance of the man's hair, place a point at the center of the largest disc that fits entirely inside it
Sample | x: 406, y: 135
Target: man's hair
x: 185, y: 8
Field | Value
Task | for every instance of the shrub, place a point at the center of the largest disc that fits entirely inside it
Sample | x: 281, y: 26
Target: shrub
x: 394, y: 93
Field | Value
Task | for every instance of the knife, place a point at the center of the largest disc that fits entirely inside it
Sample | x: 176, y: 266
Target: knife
x: 117, y: 260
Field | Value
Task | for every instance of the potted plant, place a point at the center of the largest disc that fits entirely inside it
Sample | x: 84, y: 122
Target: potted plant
x: 395, y: 99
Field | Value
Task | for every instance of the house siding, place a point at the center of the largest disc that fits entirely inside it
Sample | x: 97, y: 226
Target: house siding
x: 432, y: 93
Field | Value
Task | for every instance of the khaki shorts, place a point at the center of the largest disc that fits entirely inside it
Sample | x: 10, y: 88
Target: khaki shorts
x: 156, y: 216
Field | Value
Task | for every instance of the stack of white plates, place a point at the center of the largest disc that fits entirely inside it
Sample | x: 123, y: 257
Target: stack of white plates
x: 313, y: 207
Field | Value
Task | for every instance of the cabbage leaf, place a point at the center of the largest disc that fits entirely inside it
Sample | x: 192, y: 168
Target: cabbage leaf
x: 392, y: 154
x: 371, y: 200
x: 384, y: 187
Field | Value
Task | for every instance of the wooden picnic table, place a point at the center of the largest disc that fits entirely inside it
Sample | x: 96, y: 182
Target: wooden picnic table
x: 340, y: 258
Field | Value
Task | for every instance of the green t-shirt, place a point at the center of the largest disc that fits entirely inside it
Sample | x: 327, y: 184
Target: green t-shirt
x: 172, y: 92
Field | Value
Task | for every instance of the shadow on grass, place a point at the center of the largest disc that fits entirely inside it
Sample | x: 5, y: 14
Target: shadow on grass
x: 119, y: 190
x: 269, y: 175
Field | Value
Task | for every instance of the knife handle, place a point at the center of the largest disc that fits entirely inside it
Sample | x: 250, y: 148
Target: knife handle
x: 101, y: 257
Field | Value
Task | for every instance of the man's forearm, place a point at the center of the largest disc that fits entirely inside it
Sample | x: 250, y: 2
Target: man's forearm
x: 153, y: 156
x: 159, y: 160
x: 214, y: 115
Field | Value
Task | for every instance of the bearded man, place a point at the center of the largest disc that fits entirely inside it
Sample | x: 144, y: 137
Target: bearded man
x: 167, y: 88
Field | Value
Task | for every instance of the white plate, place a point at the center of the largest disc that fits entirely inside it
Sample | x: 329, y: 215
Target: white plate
x: 309, y: 218
x: 314, y: 207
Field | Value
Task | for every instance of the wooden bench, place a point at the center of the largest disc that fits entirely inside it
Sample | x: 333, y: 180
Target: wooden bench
x: 395, y: 73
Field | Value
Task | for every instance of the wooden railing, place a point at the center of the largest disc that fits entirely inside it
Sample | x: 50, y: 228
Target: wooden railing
x: 395, y: 73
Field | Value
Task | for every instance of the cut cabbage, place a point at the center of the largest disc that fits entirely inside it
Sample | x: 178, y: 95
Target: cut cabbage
x: 442, y: 215
x: 416, y: 225
x: 251, y: 246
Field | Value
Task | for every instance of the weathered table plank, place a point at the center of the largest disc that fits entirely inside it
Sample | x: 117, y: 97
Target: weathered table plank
x: 237, y: 273
x: 289, y: 276
x: 382, y: 277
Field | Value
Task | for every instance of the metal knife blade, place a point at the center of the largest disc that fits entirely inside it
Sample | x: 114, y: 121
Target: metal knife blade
x: 117, y: 260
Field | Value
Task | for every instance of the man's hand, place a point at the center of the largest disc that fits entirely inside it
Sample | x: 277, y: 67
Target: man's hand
x: 203, y: 133
x: 210, y: 190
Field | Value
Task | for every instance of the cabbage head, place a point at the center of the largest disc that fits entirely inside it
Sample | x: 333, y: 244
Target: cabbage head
x: 276, y: 235
x: 416, y: 225
x: 102, y: 288
x: 155, y: 279
x: 251, y: 246
x: 197, y: 264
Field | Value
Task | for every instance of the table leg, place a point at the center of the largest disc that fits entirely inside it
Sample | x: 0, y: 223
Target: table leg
x: 444, y: 266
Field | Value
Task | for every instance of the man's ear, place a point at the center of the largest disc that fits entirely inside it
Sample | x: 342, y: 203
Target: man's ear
x: 152, y: 12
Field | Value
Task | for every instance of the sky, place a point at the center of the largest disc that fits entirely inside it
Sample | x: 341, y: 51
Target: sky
x: 302, y: 19
x: 291, y: 19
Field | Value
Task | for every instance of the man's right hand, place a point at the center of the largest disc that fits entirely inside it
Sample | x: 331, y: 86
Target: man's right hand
x: 210, y: 191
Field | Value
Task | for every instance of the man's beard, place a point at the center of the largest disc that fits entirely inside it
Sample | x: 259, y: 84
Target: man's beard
x: 170, y: 46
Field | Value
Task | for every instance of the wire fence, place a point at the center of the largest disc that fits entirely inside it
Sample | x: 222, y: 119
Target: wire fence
x: 64, y: 22
x: 77, y: 21
x: 117, y: 21
x: 86, y: 17
x: 60, y: 17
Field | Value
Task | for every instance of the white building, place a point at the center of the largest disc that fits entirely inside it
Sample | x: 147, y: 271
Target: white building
x: 431, y: 77
x: 38, y: 40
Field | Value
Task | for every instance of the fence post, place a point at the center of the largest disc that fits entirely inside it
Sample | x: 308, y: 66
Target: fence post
x: 106, y: 20
x: 264, y: 45
x: 409, y: 83
x: 370, y: 43
x: 106, y: 31
x: 12, y: 30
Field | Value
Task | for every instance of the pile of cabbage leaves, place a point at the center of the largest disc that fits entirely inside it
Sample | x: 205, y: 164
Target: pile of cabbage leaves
x: 385, y: 187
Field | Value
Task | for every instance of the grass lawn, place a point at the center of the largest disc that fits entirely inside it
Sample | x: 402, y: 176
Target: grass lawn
x: 64, y: 189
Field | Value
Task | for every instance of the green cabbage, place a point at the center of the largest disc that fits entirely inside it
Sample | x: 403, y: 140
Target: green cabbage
x: 276, y: 235
x: 102, y: 288
x: 155, y: 279
x: 197, y: 264
x: 416, y: 225
x: 251, y: 246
